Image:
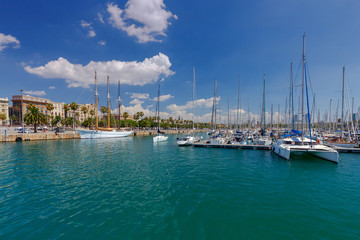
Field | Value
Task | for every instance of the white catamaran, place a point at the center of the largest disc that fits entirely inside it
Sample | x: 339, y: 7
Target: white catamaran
x: 300, y: 145
x: 102, y: 133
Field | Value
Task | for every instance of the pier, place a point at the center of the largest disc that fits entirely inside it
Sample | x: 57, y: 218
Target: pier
x: 204, y: 144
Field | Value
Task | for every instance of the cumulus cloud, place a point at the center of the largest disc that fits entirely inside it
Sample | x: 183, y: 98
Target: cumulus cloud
x: 144, y: 19
x: 52, y: 87
x: 136, y: 101
x: 130, y: 73
x: 163, y: 98
x: 206, y: 103
x: 37, y: 93
x: 88, y: 26
x: 8, y: 40
x: 139, y: 95
x: 102, y: 43
x: 91, y: 33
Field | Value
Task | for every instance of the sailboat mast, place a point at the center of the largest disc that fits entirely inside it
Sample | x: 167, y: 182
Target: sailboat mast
x: 119, y: 102
x: 193, y: 98
x: 158, y: 107
x: 291, y: 100
x: 264, y: 133
x: 108, y: 101
x: 302, y: 90
x: 238, y: 106
x: 342, y: 105
x: 96, y: 106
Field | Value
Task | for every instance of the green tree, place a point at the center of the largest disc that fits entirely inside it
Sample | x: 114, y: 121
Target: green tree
x: 56, y: 121
x: 13, y: 119
x: 125, y: 115
x: 66, y: 109
x: 34, y: 116
x: 74, y: 106
x: 87, y: 122
x: 2, y: 117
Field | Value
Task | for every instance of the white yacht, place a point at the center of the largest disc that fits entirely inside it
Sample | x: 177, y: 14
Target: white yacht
x: 187, y: 141
x: 94, y: 134
x: 289, y: 146
x: 160, y: 138
x: 102, y: 133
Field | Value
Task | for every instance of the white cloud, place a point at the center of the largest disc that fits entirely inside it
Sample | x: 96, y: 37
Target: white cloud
x: 37, y: 93
x: 102, y: 43
x: 100, y: 18
x: 130, y: 73
x: 52, y: 87
x: 139, y: 95
x: 206, y: 103
x: 163, y: 98
x: 136, y: 101
x: 6, y: 40
x: 144, y: 19
x: 85, y: 24
x: 88, y: 26
x: 91, y: 33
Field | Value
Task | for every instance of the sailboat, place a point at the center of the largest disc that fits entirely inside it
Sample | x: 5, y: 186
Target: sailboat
x: 102, y: 133
x: 190, y: 139
x: 159, y: 137
x: 298, y: 144
x: 263, y: 140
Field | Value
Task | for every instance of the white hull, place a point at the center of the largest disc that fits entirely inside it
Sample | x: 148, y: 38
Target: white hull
x: 93, y: 134
x: 184, y: 143
x: 160, y: 138
x: 187, y: 141
x: 319, y: 151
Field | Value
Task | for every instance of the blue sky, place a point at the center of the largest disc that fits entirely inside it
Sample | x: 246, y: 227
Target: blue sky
x: 53, y: 47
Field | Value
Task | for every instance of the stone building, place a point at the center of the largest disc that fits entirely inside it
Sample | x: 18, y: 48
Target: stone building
x: 4, y: 109
x: 20, y: 103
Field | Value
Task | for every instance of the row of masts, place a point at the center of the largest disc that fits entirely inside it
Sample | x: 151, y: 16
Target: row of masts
x: 289, y: 110
x: 108, y: 103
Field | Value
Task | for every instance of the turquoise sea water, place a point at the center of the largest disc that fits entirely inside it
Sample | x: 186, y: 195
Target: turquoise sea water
x: 132, y: 189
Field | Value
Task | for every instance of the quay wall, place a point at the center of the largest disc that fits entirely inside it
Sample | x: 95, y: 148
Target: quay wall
x: 13, y: 137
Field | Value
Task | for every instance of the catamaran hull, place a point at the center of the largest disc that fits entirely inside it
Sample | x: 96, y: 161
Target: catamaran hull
x: 286, y: 153
x: 93, y: 134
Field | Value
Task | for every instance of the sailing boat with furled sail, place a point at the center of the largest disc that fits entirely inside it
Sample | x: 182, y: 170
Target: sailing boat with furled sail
x: 159, y: 137
x: 102, y: 132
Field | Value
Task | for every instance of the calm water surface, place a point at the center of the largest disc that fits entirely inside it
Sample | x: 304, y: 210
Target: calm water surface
x: 132, y: 189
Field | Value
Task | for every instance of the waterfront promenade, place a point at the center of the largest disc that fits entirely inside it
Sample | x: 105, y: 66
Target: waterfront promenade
x: 11, y: 135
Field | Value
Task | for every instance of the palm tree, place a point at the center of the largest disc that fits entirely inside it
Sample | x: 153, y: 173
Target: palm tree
x: 74, y: 106
x: 56, y: 120
x: 34, y: 116
x: 84, y: 109
x: 92, y: 113
x: 66, y: 109
x: 141, y: 114
x: 50, y: 107
x: 125, y: 115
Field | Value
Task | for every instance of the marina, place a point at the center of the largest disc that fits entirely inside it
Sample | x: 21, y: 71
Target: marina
x: 130, y: 187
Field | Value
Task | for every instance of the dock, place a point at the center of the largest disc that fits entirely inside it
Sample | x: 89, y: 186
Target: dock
x: 347, y: 150
x: 204, y: 144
